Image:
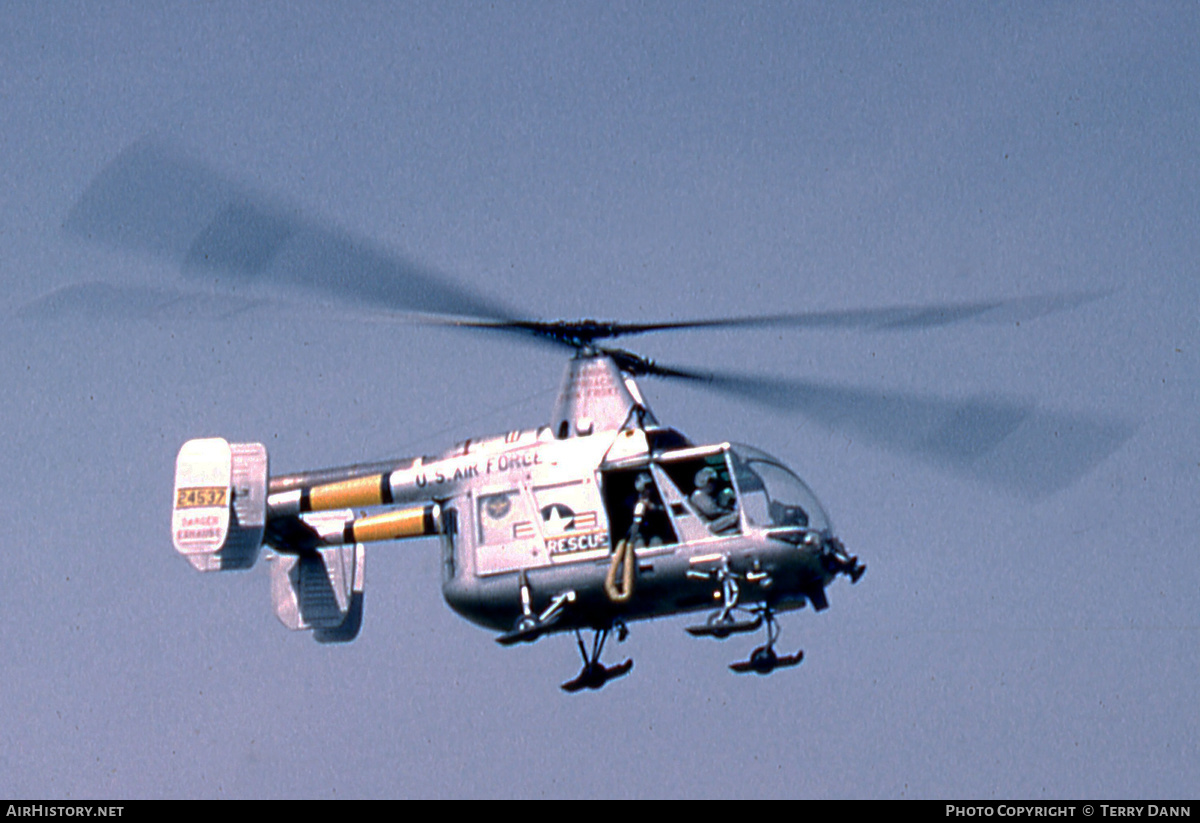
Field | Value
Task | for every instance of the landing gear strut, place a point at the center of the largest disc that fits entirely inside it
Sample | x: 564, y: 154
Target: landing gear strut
x: 764, y: 660
x: 594, y: 673
x: 723, y: 622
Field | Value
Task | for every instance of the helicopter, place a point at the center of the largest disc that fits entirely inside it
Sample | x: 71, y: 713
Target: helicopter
x: 588, y: 521
x: 600, y: 517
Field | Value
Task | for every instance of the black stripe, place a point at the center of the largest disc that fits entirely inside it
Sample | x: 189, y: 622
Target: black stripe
x: 385, y: 489
x: 429, y: 525
x: 305, y: 501
x: 348, y: 533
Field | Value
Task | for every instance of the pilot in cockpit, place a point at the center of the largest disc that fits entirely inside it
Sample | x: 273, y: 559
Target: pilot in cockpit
x: 714, y: 503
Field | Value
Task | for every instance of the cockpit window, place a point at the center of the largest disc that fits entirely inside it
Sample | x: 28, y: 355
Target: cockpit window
x: 706, y: 483
x: 771, y: 494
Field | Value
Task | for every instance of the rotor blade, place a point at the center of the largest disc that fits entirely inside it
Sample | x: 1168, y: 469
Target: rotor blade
x: 578, y: 333
x: 107, y: 301
x: 1005, y: 442
x: 885, y: 318
x: 155, y: 200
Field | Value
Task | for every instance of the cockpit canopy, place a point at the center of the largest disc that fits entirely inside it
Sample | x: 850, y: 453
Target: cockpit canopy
x: 771, y: 493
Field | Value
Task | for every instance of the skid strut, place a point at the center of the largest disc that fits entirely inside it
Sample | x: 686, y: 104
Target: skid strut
x: 764, y: 659
x: 594, y: 673
x: 723, y: 622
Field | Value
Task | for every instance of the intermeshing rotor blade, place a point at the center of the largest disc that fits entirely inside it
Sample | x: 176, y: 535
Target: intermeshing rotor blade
x: 108, y: 301
x: 1005, y: 442
x: 578, y: 333
x: 155, y: 200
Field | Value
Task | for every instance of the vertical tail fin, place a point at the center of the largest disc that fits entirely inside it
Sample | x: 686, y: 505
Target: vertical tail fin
x: 321, y: 590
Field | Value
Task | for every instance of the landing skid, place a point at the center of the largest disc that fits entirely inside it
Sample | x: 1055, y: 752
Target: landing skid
x: 594, y: 673
x: 724, y: 622
x: 764, y: 660
x: 594, y: 676
x: 722, y: 625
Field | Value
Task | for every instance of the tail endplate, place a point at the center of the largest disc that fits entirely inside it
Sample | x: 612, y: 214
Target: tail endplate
x: 220, y: 503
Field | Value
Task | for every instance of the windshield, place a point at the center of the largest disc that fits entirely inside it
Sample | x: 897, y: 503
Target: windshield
x: 771, y: 494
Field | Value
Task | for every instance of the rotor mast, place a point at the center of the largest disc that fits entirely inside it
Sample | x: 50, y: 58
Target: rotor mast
x: 596, y: 396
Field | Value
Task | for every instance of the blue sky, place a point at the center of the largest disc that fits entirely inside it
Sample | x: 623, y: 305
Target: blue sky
x: 647, y: 162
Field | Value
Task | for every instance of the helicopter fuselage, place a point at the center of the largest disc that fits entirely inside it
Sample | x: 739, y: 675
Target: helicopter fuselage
x: 526, y: 517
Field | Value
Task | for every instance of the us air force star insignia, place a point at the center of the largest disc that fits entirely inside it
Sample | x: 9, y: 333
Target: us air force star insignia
x: 558, y: 518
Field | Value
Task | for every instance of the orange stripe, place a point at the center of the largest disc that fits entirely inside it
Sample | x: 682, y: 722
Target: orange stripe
x: 390, y: 525
x: 361, y: 491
